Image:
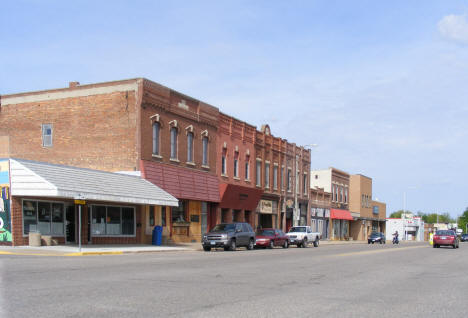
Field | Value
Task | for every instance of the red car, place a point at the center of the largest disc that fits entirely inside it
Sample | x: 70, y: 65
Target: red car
x: 445, y: 237
x: 271, y: 238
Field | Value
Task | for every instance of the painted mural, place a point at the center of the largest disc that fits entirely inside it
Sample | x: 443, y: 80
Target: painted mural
x: 5, y: 214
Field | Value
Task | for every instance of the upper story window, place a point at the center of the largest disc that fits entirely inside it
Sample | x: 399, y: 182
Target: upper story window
x: 267, y: 175
x: 156, y: 129
x: 190, y: 147
x: 247, y: 168
x: 223, y: 163
x: 341, y: 194
x: 275, y: 176
x: 282, y: 178
x: 173, y: 143
x: 289, y: 181
x: 236, y: 164
x: 362, y: 200
x: 346, y: 195
x: 305, y: 183
x: 205, y: 151
x: 47, y: 135
x: 258, y: 173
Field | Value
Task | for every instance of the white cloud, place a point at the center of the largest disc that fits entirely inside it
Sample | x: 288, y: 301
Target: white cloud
x: 454, y: 27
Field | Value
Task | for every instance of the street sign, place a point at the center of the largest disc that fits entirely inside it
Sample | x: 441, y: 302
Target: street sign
x: 81, y: 202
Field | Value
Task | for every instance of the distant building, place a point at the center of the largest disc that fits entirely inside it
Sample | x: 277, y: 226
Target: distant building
x: 409, y: 228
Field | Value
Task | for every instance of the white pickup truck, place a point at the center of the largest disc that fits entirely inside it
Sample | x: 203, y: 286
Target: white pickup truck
x: 301, y: 236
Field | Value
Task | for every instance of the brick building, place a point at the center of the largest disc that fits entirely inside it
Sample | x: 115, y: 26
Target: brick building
x: 235, y: 169
x: 132, y: 125
x: 369, y: 215
x: 281, y: 171
x: 320, y: 204
x: 335, y: 182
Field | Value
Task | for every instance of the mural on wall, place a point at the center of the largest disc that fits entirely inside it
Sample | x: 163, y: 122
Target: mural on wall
x: 5, y: 216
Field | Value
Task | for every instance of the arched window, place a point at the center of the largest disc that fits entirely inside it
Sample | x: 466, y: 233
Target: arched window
x: 190, y: 147
x: 173, y: 143
x: 156, y: 128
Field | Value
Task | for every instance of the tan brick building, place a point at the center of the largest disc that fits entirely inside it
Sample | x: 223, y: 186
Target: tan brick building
x: 369, y: 215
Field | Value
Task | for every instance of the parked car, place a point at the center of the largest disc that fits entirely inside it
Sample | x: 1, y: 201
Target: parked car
x: 229, y: 236
x: 301, y: 236
x: 271, y: 238
x: 464, y: 238
x: 445, y: 237
x: 376, y: 237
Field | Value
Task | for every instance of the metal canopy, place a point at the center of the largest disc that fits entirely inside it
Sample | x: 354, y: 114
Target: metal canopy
x: 40, y: 179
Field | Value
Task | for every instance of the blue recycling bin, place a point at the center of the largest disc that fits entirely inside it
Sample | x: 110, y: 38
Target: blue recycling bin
x: 157, y: 235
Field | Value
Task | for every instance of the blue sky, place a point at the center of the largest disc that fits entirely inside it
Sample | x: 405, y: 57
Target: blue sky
x: 380, y: 86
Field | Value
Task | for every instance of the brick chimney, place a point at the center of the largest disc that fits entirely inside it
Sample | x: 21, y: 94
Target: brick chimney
x: 73, y: 84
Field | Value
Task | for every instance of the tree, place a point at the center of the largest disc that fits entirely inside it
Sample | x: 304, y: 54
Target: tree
x: 463, y: 220
x: 397, y: 214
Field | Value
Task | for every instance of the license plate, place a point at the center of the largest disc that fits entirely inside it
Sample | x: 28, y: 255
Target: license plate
x: 213, y: 243
x: 292, y: 240
x: 443, y: 237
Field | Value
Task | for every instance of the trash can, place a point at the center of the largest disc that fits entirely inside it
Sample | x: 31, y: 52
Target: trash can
x: 157, y: 235
x: 34, y: 239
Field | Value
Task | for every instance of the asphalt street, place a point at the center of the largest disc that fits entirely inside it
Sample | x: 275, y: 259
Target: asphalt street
x: 409, y: 280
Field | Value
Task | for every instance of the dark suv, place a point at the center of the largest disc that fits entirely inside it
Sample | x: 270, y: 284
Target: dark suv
x: 229, y: 236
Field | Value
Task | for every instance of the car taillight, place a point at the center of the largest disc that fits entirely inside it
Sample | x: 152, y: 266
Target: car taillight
x: 436, y: 237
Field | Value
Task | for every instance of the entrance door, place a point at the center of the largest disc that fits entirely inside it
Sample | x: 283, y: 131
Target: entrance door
x: 70, y: 223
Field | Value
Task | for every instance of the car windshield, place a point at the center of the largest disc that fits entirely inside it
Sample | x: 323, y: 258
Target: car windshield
x: 297, y: 229
x: 445, y: 232
x: 224, y: 228
x: 375, y: 234
x: 266, y: 232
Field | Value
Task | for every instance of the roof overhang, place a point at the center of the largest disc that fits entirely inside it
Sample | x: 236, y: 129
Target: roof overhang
x: 39, y: 179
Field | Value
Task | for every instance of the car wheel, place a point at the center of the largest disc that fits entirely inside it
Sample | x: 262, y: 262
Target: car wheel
x: 286, y: 244
x: 316, y: 242
x: 232, y: 245
x: 251, y: 245
x: 381, y: 242
x: 304, y: 242
x: 454, y: 246
x: 206, y: 248
x: 272, y: 244
x: 458, y: 245
x: 368, y: 242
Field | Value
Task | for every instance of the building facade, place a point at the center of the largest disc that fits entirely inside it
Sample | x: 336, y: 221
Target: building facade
x: 410, y: 228
x: 320, y: 204
x: 134, y: 125
x: 336, y: 182
x: 369, y: 215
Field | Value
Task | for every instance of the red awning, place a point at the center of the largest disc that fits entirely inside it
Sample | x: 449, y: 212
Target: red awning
x: 340, y: 214
x: 182, y: 183
x: 238, y: 197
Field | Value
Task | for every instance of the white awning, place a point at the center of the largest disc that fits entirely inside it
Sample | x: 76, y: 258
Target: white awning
x: 40, y: 179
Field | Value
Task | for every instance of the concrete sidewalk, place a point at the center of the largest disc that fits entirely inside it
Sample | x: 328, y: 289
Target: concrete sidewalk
x: 72, y: 250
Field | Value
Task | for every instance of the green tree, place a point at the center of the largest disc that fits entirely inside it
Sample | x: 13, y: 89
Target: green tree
x: 463, y: 220
x: 397, y: 214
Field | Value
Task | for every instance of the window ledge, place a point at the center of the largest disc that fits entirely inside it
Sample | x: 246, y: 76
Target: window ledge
x: 224, y: 175
x: 156, y: 156
x: 205, y: 167
x: 236, y: 178
x: 190, y: 163
x: 174, y: 160
x: 258, y: 186
x: 247, y: 180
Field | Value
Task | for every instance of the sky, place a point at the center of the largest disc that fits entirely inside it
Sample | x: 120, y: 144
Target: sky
x: 379, y: 86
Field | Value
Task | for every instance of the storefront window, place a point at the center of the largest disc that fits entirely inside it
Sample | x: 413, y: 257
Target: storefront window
x: 29, y: 216
x: 112, y: 220
x: 178, y: 213
x: 43, y: 217
x: 163, y: 215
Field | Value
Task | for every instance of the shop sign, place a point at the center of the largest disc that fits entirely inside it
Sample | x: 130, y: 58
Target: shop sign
x: 320, y: 213
x: 5, y: 214
x: 266, y: 206
x: 289, y: 204
x: 327, y: 213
